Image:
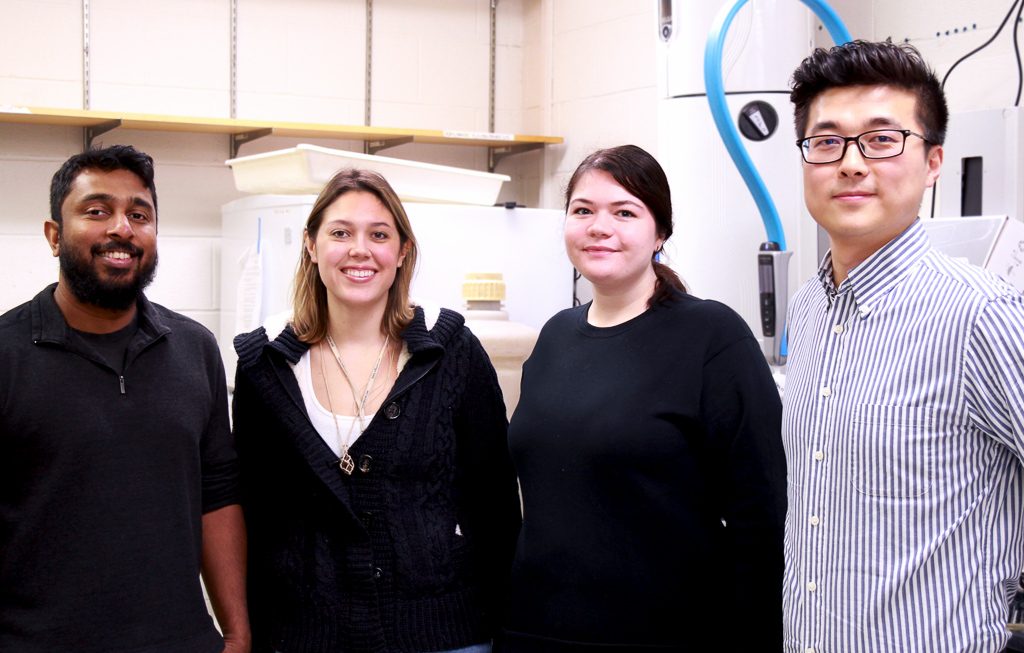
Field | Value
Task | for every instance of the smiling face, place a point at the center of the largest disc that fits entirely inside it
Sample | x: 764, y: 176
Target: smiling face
x: 106, y: 240
x: 865, y: 203
x: 357, y: 250
x: 610, y: 235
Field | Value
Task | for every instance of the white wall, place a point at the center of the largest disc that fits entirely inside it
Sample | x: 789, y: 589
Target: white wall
x: 601, y: 83
x: 943, y: 31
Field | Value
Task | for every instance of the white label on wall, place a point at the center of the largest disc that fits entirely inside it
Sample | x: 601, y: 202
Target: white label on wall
x: 478, y: 136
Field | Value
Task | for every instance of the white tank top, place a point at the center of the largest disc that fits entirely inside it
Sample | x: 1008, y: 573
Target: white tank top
x: 348, y: 428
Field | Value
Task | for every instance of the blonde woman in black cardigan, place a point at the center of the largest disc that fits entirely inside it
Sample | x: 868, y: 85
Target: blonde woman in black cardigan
x: 378, y: 491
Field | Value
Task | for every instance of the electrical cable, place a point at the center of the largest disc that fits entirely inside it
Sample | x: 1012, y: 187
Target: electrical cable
x: 984, y: 45
x: 978, y: 49
x: 1016, y: 54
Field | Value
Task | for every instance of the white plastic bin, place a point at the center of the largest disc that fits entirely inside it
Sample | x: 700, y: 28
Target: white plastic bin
x: 306, y: 168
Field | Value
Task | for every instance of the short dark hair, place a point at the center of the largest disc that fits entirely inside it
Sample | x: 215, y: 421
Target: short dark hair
x: 642, y: 176
x: 866, y: 63
x: 108, y: 159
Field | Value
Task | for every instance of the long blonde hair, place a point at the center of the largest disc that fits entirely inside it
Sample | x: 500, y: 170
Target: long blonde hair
x: 309, y: 302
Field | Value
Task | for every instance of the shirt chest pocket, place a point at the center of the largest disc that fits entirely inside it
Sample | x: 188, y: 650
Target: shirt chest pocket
x: 893, y: 451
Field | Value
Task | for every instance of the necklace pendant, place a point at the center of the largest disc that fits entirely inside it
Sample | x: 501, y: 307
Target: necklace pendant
x: 346, y: 464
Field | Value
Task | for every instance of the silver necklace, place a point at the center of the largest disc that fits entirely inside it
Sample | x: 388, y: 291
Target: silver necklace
x: 346, y: 463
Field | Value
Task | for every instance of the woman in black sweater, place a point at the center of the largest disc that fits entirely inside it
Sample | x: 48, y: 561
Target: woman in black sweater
x: 379, y: 494
x: 648, y: 449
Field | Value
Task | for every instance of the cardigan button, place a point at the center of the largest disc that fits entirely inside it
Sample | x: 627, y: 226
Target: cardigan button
x: 392, y: 410
x: 365, y: 463
x: 377, y: 572
x: 366, y: 516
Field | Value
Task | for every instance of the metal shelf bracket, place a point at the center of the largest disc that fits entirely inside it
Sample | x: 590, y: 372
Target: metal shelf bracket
x: 372, y: 147
x: 244, y: 137
x: 89, y: 134
x: 496, y: 154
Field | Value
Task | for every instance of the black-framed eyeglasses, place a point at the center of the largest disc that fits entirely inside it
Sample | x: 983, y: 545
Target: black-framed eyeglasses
x: 874, y: 144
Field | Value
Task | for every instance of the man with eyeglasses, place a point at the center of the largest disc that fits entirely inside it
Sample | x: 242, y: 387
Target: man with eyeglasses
x: 903, y: 414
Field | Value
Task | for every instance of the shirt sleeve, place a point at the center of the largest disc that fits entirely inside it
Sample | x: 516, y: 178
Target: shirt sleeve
x: 743, y: 415
x: 485, y: 478
x: 217, y: 450
x: 248, y: 415
x: 994, y: 372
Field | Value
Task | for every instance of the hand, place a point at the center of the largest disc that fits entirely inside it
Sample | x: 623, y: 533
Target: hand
x: 235, y: 644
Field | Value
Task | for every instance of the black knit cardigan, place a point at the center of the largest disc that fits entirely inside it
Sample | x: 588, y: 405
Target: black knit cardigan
x: 409, y: 553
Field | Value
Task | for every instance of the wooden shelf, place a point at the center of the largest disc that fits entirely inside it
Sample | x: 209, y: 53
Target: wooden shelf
x: 243, y: 131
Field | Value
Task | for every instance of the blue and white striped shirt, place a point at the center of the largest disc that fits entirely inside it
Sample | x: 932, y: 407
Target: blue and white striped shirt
x: 903, y: 426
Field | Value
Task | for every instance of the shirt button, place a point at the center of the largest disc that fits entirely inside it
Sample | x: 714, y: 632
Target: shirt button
x: 811, y: 586
x: 392, y: 411
x: 837, y: 329
x: 826, y: 392
x: 814, y: 520
x: 819, y: 455
x: 365, y: 463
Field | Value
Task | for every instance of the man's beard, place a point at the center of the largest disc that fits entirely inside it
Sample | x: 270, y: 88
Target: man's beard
x: 117, y: 294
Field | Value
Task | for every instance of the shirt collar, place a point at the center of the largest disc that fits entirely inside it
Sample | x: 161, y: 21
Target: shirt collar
x: 49, y: 325
x: 879, y: 273
x: 416, y: 336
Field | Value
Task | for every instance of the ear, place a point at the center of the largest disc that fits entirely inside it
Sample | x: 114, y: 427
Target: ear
x: 52, y: 232
x: 934, y: 164
x: 405, y: 250
x: 310, y: 245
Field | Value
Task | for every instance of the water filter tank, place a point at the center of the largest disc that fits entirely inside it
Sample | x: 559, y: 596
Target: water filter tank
x: 507, y: 343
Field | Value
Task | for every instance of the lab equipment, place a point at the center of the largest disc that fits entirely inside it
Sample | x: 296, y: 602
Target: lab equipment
x: 981, y: 171
x: 773, y: 257
x: 507, y: 343
x: 715, y: 230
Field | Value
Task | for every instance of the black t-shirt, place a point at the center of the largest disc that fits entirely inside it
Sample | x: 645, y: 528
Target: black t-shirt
x: 109, y: 347
x: 633, y: 443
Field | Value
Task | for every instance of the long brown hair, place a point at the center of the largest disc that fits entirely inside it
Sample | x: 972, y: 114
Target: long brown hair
x: 309, y: 302
x: 642, y: 176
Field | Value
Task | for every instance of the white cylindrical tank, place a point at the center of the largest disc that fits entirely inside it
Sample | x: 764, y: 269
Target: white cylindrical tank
x: 718, y: 228
x: 507, y: 343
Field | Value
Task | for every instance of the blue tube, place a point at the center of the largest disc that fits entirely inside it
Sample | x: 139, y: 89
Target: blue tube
x: 720, y: 111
